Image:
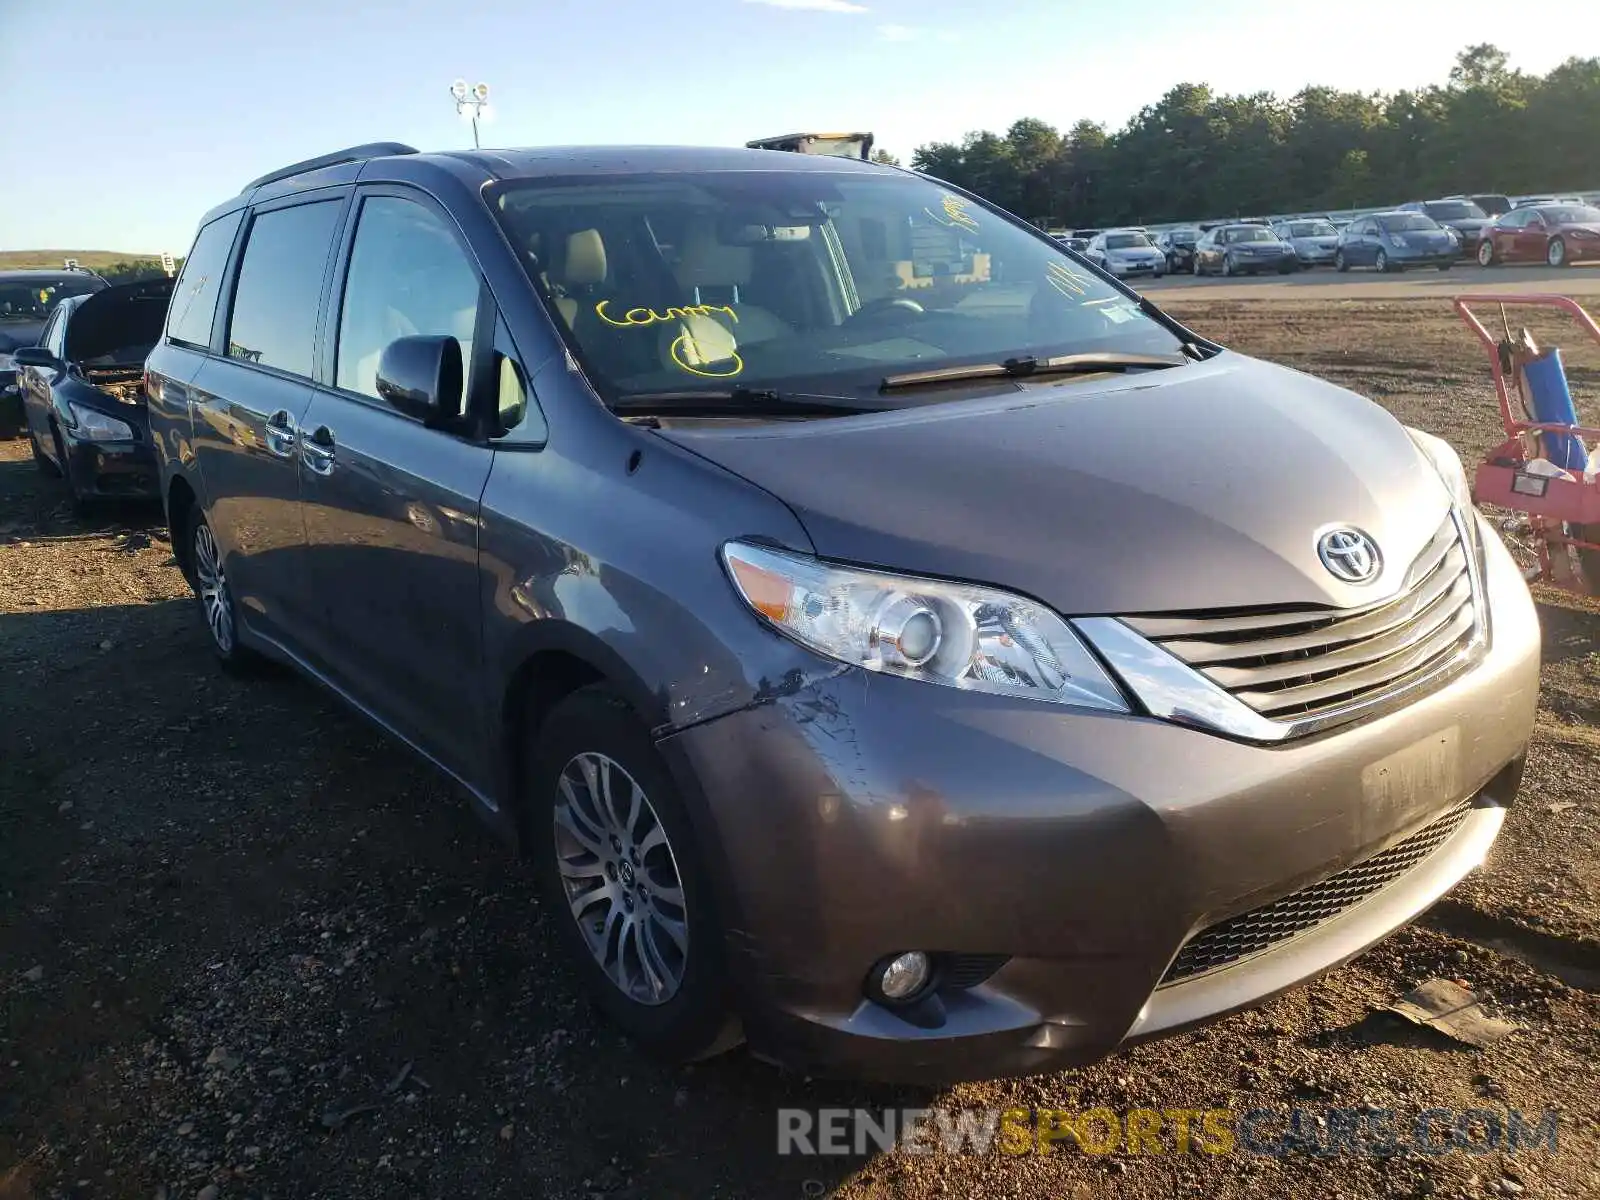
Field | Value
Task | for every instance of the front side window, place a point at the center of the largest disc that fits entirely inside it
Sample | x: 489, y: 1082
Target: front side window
x: 408, y: 276
x: 1572, y: 214
x: 194, y: 298
x: 1454, y: 210
x: 274, y: 319
x: 809, y: 280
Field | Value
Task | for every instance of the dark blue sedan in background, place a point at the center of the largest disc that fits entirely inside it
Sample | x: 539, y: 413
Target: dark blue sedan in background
x: 1394, y: 241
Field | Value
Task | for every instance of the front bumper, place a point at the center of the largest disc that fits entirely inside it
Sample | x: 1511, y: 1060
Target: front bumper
x: 1256, y: 263
x: 866, y: 815
x: 122, y: 470
x: 1409, y: 257
x: 1316, y: 256
x: 1148, y: 267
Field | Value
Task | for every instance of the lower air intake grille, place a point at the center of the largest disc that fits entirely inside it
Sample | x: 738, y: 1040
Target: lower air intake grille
x: 969, y: 970
x: 1250, y: 933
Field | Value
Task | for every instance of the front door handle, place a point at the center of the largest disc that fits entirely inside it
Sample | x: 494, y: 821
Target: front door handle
x: 281, y: 434
x: 317, y: 451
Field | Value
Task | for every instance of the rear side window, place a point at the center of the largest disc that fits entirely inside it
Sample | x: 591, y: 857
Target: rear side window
x: 274, y: 319
x: 194, y: 300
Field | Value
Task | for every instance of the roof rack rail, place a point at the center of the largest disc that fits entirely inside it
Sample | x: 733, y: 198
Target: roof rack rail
x: 348, y: 155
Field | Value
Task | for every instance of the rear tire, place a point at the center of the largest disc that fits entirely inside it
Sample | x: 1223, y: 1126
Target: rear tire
x: 639, y: 850
x: 1381, y: 263
x: 1340, y: 262
x: 1486, y: 256
x: 214, y: 597
x: 1445, y: 266
x: 1227, y: 266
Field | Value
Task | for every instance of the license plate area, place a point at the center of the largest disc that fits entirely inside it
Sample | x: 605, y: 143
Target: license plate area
x: 1419, y: 780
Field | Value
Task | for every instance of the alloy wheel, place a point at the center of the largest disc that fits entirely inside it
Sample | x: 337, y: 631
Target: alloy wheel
x: 1486, y: 253
x: 621, y: 879
x: 1556, y: 254
x: 211, y: 583
x: 1382, y: 261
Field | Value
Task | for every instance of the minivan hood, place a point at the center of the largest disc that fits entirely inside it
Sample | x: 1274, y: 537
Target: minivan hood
x: 1198, y: 487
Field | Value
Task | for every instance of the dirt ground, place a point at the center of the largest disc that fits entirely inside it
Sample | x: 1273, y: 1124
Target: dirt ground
x: 251, y: 948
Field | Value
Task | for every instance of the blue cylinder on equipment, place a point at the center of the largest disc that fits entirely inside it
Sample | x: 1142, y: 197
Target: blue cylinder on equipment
x: 1552, y: 405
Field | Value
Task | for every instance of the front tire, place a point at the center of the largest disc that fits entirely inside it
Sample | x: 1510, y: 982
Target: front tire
x: 81, y: 506
x: 1381, y: 263
x: 1227, y: 266
x: 624, y: 880
x: 1556, y: 253
x: 1486, y: 256
x: 1340, y: 262
x: 40, y: 458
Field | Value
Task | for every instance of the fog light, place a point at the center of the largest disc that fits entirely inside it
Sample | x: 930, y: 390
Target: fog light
x: 903, y: 976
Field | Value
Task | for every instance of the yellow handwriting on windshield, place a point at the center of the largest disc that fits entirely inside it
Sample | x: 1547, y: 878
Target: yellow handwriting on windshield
x: 1066, y: 280
x: 953, y: 212
x: 643, y: 318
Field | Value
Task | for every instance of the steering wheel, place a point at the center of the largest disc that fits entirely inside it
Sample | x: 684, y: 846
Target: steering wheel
x: 888, y: 306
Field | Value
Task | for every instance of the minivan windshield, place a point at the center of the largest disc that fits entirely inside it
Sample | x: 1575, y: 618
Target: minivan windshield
x: 1454, y: 210
x: 789, y: 282
x: 1407, y: 223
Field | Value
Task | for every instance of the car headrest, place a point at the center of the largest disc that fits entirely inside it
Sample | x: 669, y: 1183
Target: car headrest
x: 586, y: 258
x: 707, y: 262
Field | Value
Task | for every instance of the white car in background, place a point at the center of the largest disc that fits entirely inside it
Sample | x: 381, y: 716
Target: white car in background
x: 1127, y: 252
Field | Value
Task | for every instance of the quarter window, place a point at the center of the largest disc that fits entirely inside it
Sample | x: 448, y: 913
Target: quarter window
x: 194, y: 298
x: 280, y: 283
x: 408, y: 276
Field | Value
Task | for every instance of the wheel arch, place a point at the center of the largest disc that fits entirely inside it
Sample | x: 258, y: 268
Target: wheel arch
x: 180, y: 501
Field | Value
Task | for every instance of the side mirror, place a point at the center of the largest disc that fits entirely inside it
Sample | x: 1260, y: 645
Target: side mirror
x: 422, y: 376
x: 36, y: 356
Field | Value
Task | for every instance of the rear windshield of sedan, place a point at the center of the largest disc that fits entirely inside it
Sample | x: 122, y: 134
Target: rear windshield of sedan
x: 36, y: 299
x: 800, y: 281
x: 1126, y: 241
x: 1454, y: 210
x: 1406, y: 223
x: 1571, y: 214
x: 1249, y: 233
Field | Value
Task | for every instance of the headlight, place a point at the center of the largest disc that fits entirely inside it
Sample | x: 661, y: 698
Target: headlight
x: 98, y: 427
x: 1448, y: 464
x: 954, y: 634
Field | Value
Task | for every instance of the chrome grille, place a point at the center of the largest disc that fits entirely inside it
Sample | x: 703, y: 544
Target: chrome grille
x: 1260, y: 929
x: 1291, y: 664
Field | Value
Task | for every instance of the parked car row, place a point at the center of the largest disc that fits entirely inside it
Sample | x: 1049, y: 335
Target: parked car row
x: 647, y: 541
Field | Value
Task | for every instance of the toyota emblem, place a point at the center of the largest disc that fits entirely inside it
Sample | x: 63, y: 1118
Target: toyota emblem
x: 1349, y: 555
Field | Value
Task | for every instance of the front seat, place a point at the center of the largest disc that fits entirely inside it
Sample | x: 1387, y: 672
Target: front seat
x: 712, y: 272
x: 581, y: 271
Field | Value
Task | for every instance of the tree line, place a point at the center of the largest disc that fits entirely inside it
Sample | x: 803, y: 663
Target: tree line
x: 1195, y: 154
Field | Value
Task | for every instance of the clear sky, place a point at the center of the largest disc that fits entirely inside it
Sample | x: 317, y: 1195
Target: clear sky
x: 127, y: 119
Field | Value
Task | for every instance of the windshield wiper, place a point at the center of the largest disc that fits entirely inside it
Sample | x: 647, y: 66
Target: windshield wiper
x: 737, y: 402
x: 1027, y: 366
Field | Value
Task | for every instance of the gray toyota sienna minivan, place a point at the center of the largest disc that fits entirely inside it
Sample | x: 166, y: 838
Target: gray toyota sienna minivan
x: 890, y: 639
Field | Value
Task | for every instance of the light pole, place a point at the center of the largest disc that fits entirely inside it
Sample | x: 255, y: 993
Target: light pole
x: 471, y: 102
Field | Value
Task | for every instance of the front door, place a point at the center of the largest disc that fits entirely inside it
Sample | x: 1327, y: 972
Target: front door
x: 247, y: 407
x: 390, y: 505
